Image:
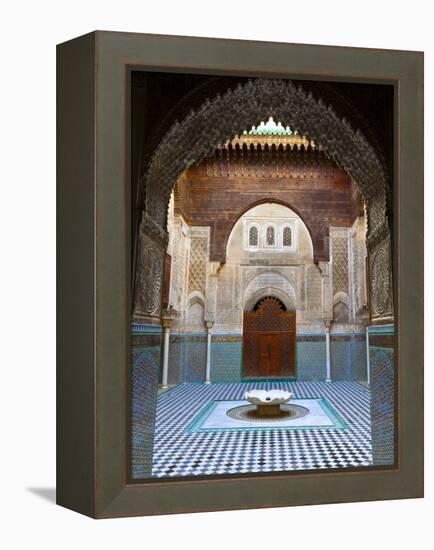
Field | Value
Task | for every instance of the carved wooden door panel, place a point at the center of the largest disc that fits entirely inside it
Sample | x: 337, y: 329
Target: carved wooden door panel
x: 264, y: 355
x: 269, y: 340
x: 274, y: 354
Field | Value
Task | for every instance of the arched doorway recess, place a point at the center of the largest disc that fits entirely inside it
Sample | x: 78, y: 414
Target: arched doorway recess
x: 269, y: 340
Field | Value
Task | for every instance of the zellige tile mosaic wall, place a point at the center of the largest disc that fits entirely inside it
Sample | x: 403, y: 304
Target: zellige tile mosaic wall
x: 144, y: 388
x: 382, y: 373
x: 187, y: 357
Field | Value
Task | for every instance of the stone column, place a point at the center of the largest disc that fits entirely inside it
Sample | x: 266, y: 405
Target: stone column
x: 166, y: 344
x: 328, y: 361
x: 167, y: 316
x: 209, y: 325
x: 327, y: 311
x: 368, y: 373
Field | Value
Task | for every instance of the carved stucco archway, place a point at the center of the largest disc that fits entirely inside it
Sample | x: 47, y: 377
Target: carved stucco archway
x: 270, y: 200
x: 252, y: 299
x: 269, y: 282
x: 225, y: 116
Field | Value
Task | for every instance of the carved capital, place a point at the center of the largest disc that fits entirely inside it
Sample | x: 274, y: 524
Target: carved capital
x: 324, y: 268
x: 169, y: 314
x: 214, y: 268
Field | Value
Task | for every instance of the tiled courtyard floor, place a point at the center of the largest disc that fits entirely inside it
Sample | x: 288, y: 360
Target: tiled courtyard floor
x: 179, y: 451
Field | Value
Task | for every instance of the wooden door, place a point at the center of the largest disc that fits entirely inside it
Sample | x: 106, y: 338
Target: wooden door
x: 269, y: 341
x: 264, y: 355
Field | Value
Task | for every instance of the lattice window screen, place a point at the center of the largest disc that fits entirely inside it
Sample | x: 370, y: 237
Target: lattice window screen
x: 270, y: 236
x: 340, y: 264
x: 198, y: 259
x: 253, y: 236
x: 287, y: 236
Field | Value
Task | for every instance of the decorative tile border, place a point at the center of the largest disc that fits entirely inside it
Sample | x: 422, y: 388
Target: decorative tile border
x: 226, y: 361
x: 382, y: 405
x: 144, y: 386
x: 338, y: 422
x: 381, y: 329
x: 222, y: 338
x: 137, y: 328
x: 176, y: 338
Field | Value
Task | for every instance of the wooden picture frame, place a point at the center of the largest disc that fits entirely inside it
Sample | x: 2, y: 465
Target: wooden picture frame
x: 94, y: 273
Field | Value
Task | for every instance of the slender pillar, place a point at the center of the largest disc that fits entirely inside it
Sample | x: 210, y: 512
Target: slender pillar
x: 328, y: 362
x: 208, y: 352
x: 368, y: 371
x: 166, y: 326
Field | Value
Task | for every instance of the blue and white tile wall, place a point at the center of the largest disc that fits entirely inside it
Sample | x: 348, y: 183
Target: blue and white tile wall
x: 187, y: 357
x: 348, y: 357
x: 382, y: 374
x: 311, y: 357
x: 145, y: 372
x: 226, y: 358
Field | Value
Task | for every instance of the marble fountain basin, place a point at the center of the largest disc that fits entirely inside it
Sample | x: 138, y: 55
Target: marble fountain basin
x: 268, y: 401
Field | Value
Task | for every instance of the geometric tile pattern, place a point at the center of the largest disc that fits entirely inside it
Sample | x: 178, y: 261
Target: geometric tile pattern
x: 194, y: 360
x: 177, y: 452
x: 311, y: 359
x: 139, y: 328
x: 226, y: 360
x: 198, y: 258
x: 382, y: 406
x: 348, y: 357
x: 144, y: 387
x: 340, y: 264
x: 187, y: 358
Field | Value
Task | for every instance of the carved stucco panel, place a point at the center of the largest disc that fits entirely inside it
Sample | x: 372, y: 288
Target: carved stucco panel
x: 381, y: 282
x: 149, y: 279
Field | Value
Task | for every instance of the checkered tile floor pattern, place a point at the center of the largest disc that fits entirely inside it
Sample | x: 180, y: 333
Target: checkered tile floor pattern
x: 180, y: 453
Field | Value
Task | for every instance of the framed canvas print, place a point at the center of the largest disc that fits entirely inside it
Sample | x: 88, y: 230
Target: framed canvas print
x: 240, y: 262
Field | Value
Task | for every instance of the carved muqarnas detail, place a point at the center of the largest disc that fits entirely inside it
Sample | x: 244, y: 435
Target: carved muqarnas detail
x: 150, y: 280
x: 381, y: 283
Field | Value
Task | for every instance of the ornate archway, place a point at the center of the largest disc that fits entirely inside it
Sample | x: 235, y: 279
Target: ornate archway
x: 226, y: 116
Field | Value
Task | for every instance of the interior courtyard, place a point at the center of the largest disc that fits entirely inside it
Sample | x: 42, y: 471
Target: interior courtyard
x: 262, y: 261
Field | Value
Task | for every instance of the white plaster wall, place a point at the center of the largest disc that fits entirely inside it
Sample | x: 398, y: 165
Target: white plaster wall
x: 289, y: 274
x: 278, y: 270
x: 277, y: 215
